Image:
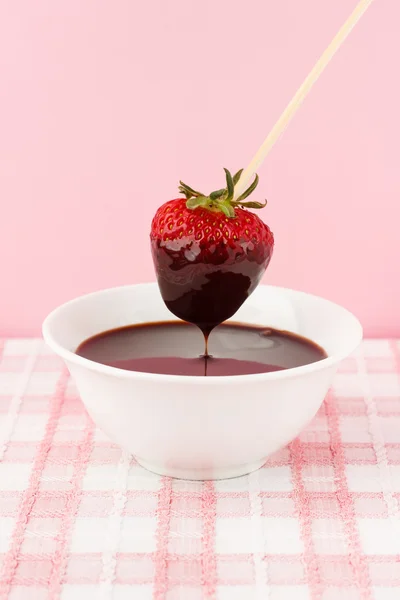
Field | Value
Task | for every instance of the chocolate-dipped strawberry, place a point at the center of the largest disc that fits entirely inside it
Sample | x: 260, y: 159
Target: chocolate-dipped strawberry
x: 209, y: 252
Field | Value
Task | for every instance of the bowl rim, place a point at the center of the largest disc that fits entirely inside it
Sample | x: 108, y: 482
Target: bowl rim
x: 70, y: 357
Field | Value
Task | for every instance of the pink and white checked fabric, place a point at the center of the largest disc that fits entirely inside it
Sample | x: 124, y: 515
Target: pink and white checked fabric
x: 80, y: 520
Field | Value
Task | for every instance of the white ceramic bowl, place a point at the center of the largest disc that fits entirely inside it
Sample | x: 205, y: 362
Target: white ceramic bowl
x: 202, y: 427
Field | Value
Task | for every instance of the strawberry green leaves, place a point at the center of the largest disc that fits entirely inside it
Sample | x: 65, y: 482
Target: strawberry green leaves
x: 197, y: 201
x: 188, y: 191
x: 236, y: 177
x: 227, y: 209
x: 250, y: 189
x: 222, y: 200
x: 230, y: 188
x: 251, y: 204
x: 217, y: 194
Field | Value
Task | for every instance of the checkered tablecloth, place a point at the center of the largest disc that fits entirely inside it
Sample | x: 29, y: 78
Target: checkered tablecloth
x: 79, y: 520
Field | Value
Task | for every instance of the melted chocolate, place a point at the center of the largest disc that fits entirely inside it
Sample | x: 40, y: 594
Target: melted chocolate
x: 207, y: 293
x: 173, y: 348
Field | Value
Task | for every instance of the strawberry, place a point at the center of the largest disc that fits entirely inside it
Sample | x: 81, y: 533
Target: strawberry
x: 209, y: 253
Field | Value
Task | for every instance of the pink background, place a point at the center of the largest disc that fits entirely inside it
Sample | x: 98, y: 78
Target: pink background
x: 105, y: 105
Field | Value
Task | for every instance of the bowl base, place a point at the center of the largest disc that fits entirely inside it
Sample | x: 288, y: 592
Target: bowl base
x: 201, y: 474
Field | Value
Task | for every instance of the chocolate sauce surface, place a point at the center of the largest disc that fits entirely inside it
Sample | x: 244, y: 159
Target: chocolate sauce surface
x: 175, y: 348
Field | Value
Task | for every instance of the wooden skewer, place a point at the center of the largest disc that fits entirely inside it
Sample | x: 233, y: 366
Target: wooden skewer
x: 299, y: 96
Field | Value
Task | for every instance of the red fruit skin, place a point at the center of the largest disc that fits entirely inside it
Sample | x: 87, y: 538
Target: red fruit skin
x: 206, y: 263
